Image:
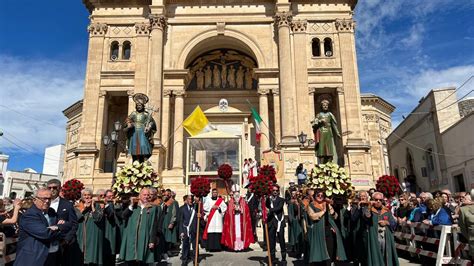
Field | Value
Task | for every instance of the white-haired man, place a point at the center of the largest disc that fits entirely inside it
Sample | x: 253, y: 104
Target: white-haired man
x: 237, y: 235
x: 39, y: 233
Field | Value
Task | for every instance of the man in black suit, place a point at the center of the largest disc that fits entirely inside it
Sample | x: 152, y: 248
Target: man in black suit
x: 276, y: 223
x: 187, y: 229
x: 64, y: 211
x: 40, y: 231
x: 253, y: 201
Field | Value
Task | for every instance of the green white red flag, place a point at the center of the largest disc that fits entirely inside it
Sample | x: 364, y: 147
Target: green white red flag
x: 258, y: 121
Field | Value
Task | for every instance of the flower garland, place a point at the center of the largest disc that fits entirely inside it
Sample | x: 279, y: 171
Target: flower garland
x: 200, y: 187
x: 71, y: 189
x: 135, y: 176
x: 388, y: 185
x: 330, y: 178
x: 224, y: 171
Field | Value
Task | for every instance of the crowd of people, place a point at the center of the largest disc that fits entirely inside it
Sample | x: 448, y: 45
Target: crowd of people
x: 149, y: 228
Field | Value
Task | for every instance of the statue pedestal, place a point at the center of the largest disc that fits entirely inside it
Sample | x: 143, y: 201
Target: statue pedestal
x: 357, y: 158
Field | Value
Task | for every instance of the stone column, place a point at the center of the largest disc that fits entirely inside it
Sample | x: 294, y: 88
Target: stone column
x: 301, y: 76
x: 263, y: 108
x: 165, y: 125
x: 287, y: 92
x: 350, y: 77
x: 178, y: 130
x: 141, y: 57
x: 312, y: 111
x: 276, y: 113
x: 158, y: 26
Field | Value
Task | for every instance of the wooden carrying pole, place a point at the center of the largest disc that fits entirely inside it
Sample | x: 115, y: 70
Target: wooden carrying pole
x: 196, y: 254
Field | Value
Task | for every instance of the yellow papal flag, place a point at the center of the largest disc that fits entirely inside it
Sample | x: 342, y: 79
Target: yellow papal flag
x: 196, y: 122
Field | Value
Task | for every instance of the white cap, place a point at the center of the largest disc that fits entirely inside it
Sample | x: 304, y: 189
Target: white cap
x: 292, y: 181
x: 235, y: 188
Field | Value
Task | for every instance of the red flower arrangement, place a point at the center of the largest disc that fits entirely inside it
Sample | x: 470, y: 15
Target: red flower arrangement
x: 261, y: 185
x: 269, y: 171
x: 200, y: 187
x: 72, y: 189
x: 388, y: 185
x: 224, y: 171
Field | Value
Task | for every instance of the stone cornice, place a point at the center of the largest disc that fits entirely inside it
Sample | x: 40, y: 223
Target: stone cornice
x: 97, y: 29
x: 371, y: 98
x: 73, y: 109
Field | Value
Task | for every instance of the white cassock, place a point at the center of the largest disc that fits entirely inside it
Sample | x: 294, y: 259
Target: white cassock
x: 215, y: 225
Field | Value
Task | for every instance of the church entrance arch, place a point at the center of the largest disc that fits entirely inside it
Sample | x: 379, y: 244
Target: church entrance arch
x: 222, y: 81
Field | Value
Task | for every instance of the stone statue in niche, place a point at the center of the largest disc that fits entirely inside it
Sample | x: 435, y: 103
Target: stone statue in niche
x: 140, y: 130
x: 325, y: 129
x: 231, y: 77
x: 208, y: 77
x: 240, y: 78
x: 199, y: 80
x: 216, y: 78
x: 223, y: 65
x: 248, y: 79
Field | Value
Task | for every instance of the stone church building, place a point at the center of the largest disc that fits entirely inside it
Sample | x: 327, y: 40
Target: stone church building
x: 280, y: 57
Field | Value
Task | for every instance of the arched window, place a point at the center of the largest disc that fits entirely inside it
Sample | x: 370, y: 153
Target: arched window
x: 114, y: 51
x: 328, y: 47
x: 127, y: 50
x: 316, y: 47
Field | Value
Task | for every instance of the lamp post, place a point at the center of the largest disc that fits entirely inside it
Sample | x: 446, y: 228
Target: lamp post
x: 303, y: 139
x: 112, y: 141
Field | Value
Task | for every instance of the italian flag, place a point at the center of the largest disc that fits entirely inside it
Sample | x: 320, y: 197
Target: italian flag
x: 258, y: 121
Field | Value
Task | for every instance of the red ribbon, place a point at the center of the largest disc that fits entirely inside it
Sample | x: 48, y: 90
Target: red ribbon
x: 209, y: 218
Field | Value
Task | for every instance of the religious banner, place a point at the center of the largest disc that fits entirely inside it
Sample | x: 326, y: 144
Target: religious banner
x: 275, y: 159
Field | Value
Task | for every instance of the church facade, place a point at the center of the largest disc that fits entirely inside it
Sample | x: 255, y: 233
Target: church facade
x: 279, y: 57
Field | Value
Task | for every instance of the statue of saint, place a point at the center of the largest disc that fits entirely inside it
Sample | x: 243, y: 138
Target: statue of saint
x: 240, y: 78
x: 216, y: 77
x: 248, y: 79
x: 208, y: 77
x: 199, y: 80
x: 231, y: 77
x: 324, y: 129
x: 140, y: 130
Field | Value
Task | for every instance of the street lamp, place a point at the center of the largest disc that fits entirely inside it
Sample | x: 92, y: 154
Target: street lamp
x: 303, y: 139
x: 112, y: 141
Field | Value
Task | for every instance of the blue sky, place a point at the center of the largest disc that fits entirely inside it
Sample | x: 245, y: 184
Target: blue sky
x: 404, y: 47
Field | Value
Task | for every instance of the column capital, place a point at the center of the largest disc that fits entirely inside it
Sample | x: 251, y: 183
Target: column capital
x: 311, y: 90
x: 130, y: 93
x: 340, y: 90
x: 166, y: 93
x: 102, y: 93
x: 276, y: 91
x: 283, y: 19
x: 299, y: 26
x: 158, y: 22
x: 262, y: 91
x: 179, y: 93
x: 142, y: 29
x: 97, y: 29
x: 345, y: 25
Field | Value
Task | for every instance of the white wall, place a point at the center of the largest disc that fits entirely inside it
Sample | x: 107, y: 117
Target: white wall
x: 3, y: 169
x: 53, y: 163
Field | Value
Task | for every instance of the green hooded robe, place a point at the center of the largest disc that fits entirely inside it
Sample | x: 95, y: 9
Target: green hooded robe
x: 170, y: 216
x: 139, y: 231
x: 375, y: 257
x: 90, y: 234
x: 295, y: 232
x: 316, y: 236
x: 112, y: 233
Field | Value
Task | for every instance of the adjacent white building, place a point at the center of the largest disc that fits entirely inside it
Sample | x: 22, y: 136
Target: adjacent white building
x: 434, y: 145
x: 23, y: 183
x: 53, y: 163
x: 3, y: 170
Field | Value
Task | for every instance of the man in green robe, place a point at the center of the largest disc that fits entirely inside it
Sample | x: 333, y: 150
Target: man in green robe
x: 90, y: 231
x: 169, y: 225
x: 139, y: 233
x: 112, y: 228
x: 381, y: 248
x: 325, y: 241
x: 295, y: 232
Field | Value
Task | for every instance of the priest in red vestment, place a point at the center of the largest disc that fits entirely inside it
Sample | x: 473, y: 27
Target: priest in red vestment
x: 237, y: 234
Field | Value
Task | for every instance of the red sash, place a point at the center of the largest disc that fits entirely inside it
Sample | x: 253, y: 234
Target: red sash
x: 209, y: 218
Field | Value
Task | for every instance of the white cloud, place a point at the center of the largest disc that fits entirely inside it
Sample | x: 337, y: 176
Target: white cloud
x: 33, y: 93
